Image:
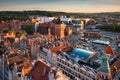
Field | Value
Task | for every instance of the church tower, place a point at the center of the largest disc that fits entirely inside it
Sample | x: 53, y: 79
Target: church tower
x: 103, y: 73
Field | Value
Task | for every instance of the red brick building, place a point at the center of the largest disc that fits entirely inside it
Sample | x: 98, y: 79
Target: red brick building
x: 54, y: 29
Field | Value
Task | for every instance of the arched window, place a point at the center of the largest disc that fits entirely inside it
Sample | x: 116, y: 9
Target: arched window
x: 102, y: 76
x: 106, y: 78
x: 67, y: 64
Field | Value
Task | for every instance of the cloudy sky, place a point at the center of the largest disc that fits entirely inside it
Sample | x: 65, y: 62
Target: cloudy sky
x: 61, y: 5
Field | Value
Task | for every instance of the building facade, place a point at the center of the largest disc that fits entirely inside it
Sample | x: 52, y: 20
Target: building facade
x: 73, y: 70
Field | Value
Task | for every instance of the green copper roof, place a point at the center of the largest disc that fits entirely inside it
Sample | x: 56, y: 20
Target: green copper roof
x: 105, y: 65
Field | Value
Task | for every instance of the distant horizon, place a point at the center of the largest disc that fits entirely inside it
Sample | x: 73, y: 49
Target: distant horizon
x: 55, y: 11
x: 72, y: 6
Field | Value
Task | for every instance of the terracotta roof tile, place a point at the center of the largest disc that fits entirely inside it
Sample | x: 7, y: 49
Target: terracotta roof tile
x: 57, y: 49
x: 14, y: 59
x: 40, y: 71
x: 67, y: 49
x: 113, y: 20
x: 48, y: 35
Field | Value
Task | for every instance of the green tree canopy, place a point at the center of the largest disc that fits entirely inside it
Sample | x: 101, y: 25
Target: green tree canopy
x: 113, y: 27
x: 29, y: 28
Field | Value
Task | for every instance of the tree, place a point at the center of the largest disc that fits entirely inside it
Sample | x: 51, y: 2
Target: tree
x: 114, y: 27
x: 29, y: 28
x: 6, y: 31
x: 19, y: 32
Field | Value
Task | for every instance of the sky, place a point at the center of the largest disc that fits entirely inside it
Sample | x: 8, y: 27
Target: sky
x: 87, y: 6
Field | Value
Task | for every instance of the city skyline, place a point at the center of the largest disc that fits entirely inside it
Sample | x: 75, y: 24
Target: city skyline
x: 87, y: 6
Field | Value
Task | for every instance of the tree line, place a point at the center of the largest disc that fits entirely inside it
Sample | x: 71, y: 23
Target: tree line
x: 24, y: 15
x: 110, y: 27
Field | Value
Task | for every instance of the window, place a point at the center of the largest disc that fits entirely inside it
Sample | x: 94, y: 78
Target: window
x: 71, y: 72
x: 58, y: 64
x: 79, y: 76
x: 79, y: 70
x: 102, y: 76
x: 57, y: 59
x: 106, y: 78
x: 60, y: 60
x: 74, y: 67
x: 76, y: 74
x: 65, y: 63
x: 66, y: 69
x: 63, y: 67
x: 68, y: 64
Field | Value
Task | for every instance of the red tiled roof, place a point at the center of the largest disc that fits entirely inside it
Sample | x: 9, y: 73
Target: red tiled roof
x: 14, y: 59
x: 15, y: 21
x: 57, y: 49
x: 113, y: 20
x: 36, y: 34
x: 109, y: 50
x: 37, y: 43
x: 40, y: 71
x: 67, y: 49
x: 41, y: 44
x: 48, y: 35
x: 5, y: 25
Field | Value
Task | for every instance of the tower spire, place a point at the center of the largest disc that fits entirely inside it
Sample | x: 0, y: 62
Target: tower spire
x: 49, y: 31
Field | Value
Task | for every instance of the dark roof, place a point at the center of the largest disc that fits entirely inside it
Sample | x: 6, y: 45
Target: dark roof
x: 115, y: 67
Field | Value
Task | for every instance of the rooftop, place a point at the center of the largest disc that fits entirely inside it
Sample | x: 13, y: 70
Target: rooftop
x: 40, y: 71
x: 14, y: 58
x: 115, y: 67
x: 57, y: 49
x: 109, y: 50
x: 101, y: 42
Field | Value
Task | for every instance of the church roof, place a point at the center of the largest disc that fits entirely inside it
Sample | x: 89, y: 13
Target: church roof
x: 109, y: 50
